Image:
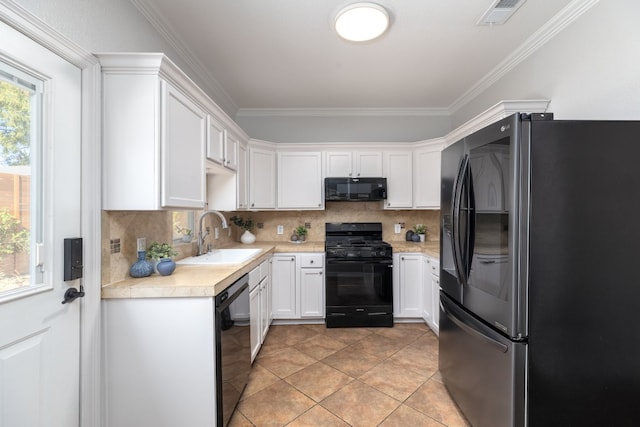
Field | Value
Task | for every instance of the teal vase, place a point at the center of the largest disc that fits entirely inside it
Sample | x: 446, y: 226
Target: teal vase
x: 142, y: 267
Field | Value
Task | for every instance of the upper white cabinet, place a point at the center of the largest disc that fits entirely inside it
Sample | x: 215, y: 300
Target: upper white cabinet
x: 242, y: 174
x: 300, y: 180
x: 227, y: 190
x: 154, y: 135
x: 398, y: 167
x: 427, y: 177
x: 222, y: 145
x: 353, y: 163
x: 262, y: 178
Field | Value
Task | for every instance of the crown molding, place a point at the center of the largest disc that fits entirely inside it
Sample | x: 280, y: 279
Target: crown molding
x: 342, y: 112
x: 545, y: 33
x: 167, y: 32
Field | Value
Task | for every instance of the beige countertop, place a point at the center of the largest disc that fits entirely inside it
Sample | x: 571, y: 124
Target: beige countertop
x: 210, y: 280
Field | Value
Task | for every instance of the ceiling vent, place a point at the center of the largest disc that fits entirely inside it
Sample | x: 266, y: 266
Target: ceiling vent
x: 499, y: 12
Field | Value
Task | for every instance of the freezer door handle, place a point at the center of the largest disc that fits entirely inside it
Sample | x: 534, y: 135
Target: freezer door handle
x: 459, y: 186
x: 471, y: 330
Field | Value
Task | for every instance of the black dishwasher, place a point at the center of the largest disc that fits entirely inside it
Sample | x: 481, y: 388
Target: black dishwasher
x: 233, y: 347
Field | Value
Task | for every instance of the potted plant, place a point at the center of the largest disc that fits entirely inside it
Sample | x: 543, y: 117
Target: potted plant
x: 160, y: 254
x: 301, y: 233
x: 247, y: 225
x: 187, y: 234
x: 421, y: 230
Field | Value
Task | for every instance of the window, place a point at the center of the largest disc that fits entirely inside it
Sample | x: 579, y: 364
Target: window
x: 183, y: 224
x: 20, y: 180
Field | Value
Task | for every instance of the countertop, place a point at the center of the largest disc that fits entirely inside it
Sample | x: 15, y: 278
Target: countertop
x: 210, y: 280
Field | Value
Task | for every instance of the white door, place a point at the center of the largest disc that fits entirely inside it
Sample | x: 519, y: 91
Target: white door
x: 39, y: 336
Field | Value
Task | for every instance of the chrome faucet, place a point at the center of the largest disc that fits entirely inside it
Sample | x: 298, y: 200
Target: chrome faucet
x: 201, y: 235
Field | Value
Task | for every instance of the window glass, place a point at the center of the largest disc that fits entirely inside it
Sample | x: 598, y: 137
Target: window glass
x: 183, y: 225
x: 20, y: 189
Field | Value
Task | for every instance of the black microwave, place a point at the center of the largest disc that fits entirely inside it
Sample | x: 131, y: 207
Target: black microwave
x: 355, y: 189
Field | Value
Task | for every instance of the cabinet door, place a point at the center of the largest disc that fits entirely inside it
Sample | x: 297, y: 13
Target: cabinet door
x: 435, y: 289
x: 231, y: 152
x: 300, y: 180
x: 368, y: 164
x: 283, y: 287
x: 262, y: 179
x: 427, y: 178
x: 241, y: 176
x: 184, y: 130
x: 338, y: 164
x: 312, y: 292
x: 408, y: 285
x: 265, y: 296
x: 216, y: 140
x: 427, y: 292
x: 398, y: 171
x: 256, y: 327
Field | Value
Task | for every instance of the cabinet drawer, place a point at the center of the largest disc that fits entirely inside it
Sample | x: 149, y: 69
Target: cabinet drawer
x: 254, y: 278
x: 264, y: 269
x: 311, y: 260
x: 434, y: 267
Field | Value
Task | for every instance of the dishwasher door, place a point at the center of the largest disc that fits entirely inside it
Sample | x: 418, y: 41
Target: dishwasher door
x: 233, y: 347
x: 482, y: 369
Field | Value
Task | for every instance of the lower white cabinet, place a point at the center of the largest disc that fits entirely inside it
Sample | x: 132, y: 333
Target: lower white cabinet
x: 407, y: 285
x: 431, y: 293
x: 159, y: 360
x: 260, y: 306
x: 298, y: 286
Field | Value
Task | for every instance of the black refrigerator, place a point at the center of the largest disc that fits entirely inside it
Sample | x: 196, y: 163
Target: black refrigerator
x: 540, y: 273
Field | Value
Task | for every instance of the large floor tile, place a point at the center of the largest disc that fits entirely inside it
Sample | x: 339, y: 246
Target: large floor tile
x: 392, y: 379
x: 405, y: 416
x: 378, y: 345
x: 319, y: 381
x: 347, y: 335
x: 276, y: 405
x: 432, y: 399
x: 320, y: 346
x: 259, y: 379
x: 286, y: 362
x: 353, y: 362
x: 317, y: 417
x: 360, y: 405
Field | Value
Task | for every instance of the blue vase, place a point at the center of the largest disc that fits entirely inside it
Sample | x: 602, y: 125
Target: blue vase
x: 142, y: 267
x: 166, y: 266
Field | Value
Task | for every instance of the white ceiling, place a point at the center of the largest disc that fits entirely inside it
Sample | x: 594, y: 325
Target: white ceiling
x: 284, y: 54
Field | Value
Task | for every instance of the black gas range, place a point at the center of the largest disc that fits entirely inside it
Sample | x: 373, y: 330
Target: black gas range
x: 359, y: 275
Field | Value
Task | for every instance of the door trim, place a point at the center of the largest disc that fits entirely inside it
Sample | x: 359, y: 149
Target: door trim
x: 28, y: 24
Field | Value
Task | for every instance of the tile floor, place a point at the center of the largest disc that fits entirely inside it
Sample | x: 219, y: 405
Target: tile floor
x: 308, y: 375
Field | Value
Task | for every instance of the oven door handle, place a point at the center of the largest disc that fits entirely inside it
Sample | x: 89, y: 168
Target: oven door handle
x: 350, y: 261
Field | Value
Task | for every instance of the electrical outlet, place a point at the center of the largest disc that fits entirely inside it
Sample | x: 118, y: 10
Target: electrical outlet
x: 280, y: 229
x: 216, y: 233
x: 307, y: 225
x: 397, y: 228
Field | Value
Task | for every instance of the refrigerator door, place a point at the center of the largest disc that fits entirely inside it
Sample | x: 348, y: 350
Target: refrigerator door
x: 498, y: 168
x: 483, y: 371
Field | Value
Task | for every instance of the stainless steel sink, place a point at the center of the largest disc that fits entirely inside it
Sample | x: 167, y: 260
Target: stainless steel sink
x: 221, y: 256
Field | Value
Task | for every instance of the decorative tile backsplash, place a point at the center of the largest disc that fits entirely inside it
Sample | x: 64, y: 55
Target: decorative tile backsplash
x: 157, y: 226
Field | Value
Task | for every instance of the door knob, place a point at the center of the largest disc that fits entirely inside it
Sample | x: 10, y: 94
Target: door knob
x: 72, y: 294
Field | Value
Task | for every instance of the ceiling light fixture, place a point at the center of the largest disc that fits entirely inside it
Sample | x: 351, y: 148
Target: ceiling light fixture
x: 361, y: 22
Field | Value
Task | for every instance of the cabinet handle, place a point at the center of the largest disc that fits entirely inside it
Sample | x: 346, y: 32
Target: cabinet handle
x: 350, y: 174
x: 320, y: 273
x: 253, y: 204
x: 358, y: 174
x: 293, y: 259
x: 402, y: 258
x: 311, y: 262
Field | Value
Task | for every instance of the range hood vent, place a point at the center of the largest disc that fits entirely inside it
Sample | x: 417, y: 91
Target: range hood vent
x: 499, y: 12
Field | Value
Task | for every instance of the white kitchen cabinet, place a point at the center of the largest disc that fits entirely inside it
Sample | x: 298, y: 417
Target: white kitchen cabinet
x: 431, y: 293
x: 222, y: 145
x: 159, y: 358
x: 284, y: 293
x: 407, y: 285
x: 353, y: 163
x: 398, y: 169
x: 262, y: 178
x: 259, y: 298
x: 427, y: 177
x: 298, y: 286
x: 300, y: 184
x: 312, y: 285
x: 154, y: 135
x: 226, y: 189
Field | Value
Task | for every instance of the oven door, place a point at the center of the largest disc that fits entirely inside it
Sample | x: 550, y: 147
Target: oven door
x: 359, y: 284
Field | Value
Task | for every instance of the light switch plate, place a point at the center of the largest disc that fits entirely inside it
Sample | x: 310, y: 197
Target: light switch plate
x: 280, y: 229
x: 397, y: 228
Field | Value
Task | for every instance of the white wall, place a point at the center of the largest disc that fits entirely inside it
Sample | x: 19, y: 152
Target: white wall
x: 591, y: 70
x: 110, y: 26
